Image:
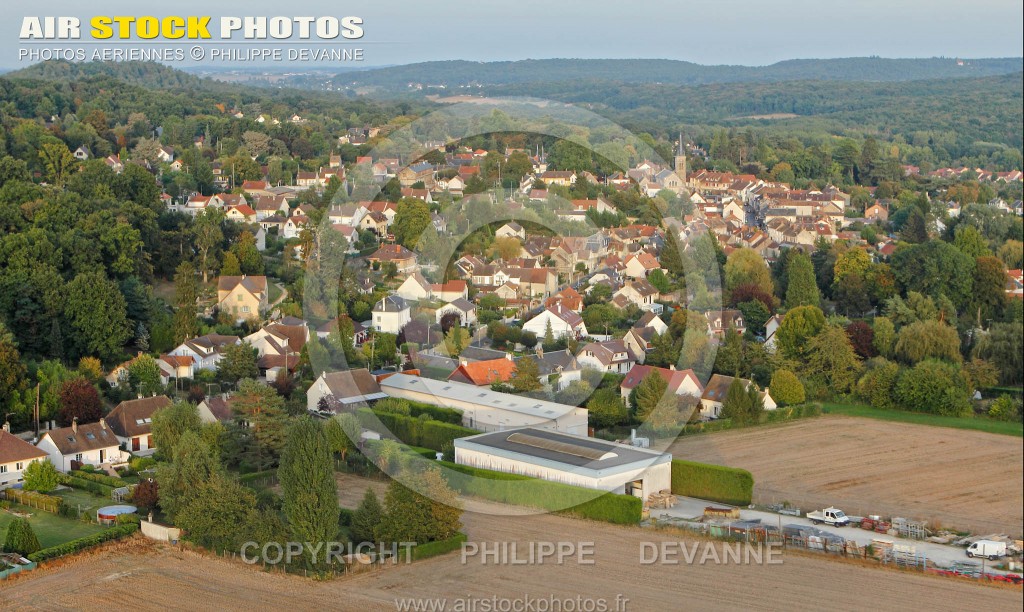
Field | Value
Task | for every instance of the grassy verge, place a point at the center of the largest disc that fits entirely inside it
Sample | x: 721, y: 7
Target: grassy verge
x: 976, y: 423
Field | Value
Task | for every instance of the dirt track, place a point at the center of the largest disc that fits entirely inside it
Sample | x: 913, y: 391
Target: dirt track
x: 963, y: 479
x: 149, y: 576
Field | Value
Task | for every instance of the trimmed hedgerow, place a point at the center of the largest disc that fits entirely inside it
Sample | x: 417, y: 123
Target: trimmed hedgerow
x: 544, y: 494
x: 73, y: 546
x: 438, y: 547
x: 712, y: 482
x: 415, y: 431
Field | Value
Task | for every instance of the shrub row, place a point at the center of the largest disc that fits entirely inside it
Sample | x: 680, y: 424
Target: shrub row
x: 438, y: 413
x: 789, y: 413
x: 67, y: 548
x: 414, y: 432
x: 86, y: 485
x: 110, y: 481
x: 439, y: 547
x: 544, y: 494
x: 712, y: 482
x: 34, y: 499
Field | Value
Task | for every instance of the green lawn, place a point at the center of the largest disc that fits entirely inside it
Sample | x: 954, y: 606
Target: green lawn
x: 83, y: 499
x: 50, y: 528
x: 976, y: 423
x: 275, y: 291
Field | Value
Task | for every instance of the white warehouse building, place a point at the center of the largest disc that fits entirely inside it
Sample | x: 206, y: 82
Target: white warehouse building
x: 485, y: 409
x: 575, y: 460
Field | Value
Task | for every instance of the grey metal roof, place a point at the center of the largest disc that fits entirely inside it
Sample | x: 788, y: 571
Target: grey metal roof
x: 447, y: 392
x: 616, y: 457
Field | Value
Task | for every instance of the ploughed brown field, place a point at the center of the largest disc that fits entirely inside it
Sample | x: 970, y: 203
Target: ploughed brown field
x: 955, y: 478
x: 158, y: 576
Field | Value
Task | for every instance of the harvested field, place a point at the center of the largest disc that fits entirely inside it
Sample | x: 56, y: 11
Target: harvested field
x: 152, y: 576
x: 957, y: 478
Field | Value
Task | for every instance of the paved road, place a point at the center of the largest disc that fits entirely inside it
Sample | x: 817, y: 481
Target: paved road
x: 940, y: 554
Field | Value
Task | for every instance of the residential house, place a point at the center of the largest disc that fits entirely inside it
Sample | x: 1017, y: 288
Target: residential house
x: 557, y: 369
x: 216, y: 409
x: 641, y: 293
x: 15, y: 455
x: 558, y: 177
x: 640, y: 341
x: 568, y: 298
x: 91, y: 443
x: 450, y: 291
x: 640, y: 264
x: 713, y: 398
x: 719, y: 321
x: 511, y: 230
x: 205, y: 351
x: 279, y: 346
x: 414, y: 288
x: 245, y: 297
x: 403, y: 258
x: 391, y: 314
x: 560, y: 320
x: 609, y: 356
x: 132, y: 422
x: 680, y: 382
x: 341, y: 390
x: 461, y: 306
x: 484, y: 373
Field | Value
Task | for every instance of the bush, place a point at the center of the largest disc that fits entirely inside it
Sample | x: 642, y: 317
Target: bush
x: 438, y: 547
x: 139, y: 464
x: 67, y: 548
x: 20, y: 537
x: 413, y: 431
x: 1004, y: 409
x: 712, y: 482
x: 86, y: 485
x: 536, y: 493
x: 110, y: 481
x: 41, y: 476
x: 786, y: 388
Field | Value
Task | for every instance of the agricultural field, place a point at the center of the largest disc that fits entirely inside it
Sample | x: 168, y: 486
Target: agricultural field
x: 123, y: 570
x: 967, y: 480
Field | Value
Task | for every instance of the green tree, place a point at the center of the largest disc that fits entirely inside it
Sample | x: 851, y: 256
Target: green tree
x: 431, y: 512
x: 877, y: 385
x: 935, y: 268
x: 969, y: 241
x: 343, y: 433
x: 935, y: 387
x: 647, y: 395
x: 988, y: 296
x: 57, y: 161
x: 527, y: 376
x: 238, y: 361
x: 194, y: 465
x: 21, y: 538
x: 606, y: 408
x: 40, y: 475
x: 207, y: 237
x: 802, y: 289
x: 746, y: 267
x: 170, y: 423
x: 366, y: 517
x: 230, y: 265
x: 455, y: 340
x: 96, y: 312
x: 1003, y: 345
x: 737, y: 405
x: 411, y: 219
x: 832, y: 360
x: 930, y: 339
x: 786, y: 389
x: 144, y: 374
x: 220, y: 514
x: 260, y: 423
x: 306, y: 474
x: 186, y: 293
x: 798, y: 327
x: 249, y: 258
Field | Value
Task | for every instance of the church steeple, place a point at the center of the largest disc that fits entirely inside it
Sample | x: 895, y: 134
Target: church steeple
x: 680, y: 160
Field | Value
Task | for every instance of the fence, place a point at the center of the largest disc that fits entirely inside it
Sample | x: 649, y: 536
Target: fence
x: 48, y: 503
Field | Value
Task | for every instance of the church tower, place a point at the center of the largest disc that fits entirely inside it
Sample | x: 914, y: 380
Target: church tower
x: 680, y: 160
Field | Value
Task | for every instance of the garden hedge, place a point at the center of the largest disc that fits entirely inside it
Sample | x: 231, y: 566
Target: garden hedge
x: 439, y: 547
x: 86, y: 485
x: 544, y: 494
x: 67, y: 548
x: 110, y: 481
x: 413, y: 431
x: 712, y: 482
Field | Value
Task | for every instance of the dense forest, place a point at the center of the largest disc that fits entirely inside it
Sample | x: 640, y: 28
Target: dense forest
x: 459, y: 72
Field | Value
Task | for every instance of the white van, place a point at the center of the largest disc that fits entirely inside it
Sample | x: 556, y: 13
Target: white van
x: 987, y: 548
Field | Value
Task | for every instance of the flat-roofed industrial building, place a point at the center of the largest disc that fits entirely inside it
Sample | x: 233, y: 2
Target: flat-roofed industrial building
x: 485, y: 409
x: 569, y: 459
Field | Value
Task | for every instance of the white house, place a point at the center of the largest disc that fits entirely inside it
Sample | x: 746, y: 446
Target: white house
x: 205, y: 351
x: 563, y: 323
x: 15, y: 455
x: 463, y: 307
x: 391, y: 314
x: 569, y: 459
x: 414, y: 288
x: 132, y: 422
x: 348, y: 388
x: 92, y: 443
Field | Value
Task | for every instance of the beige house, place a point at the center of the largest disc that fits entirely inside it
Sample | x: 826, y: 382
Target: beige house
x: 15, y: 455
x: 245, y: 297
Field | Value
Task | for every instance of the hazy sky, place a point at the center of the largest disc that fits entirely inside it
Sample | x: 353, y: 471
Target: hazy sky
x: 707, y: 32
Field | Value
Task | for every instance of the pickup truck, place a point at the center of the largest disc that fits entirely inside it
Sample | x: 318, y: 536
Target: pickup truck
x: 829, y: 516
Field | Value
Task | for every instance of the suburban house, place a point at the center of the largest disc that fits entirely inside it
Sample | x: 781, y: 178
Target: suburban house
x: 641, y: 264
x: 391, y: 314
x: 713, y: 398
x: 132, y: 422
x: 245, y: 297
x: 511, y: 230
x: 562, y: 322
x: 461, y: 306
x: 414, y: 288
x: 450, y: 291
x: 15, y: 455
x: 680, y: 382
x: 216, y: 409
x: 568, y: 298
x: 609, y: 356
x: 205, y: 351
x: 484, y: 373
x: 92, y: 444
x: 719, y: 321
x: 557, y: 369
x: 641, y: 293
x: 345, y: 389
x: 403, y: 258
x: 279, y: 345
